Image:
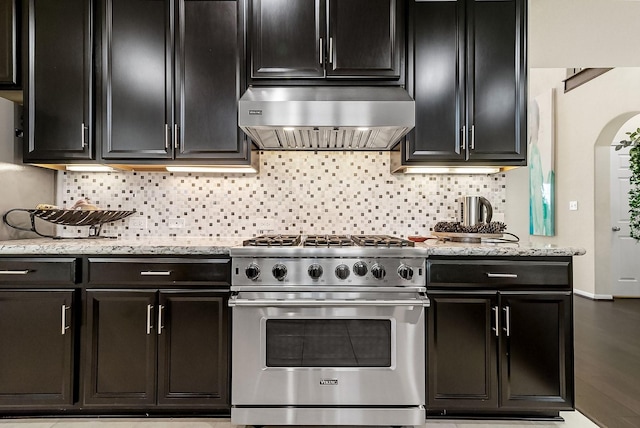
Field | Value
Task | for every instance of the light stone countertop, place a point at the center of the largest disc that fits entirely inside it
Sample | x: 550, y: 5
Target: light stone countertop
x: 220, y: 246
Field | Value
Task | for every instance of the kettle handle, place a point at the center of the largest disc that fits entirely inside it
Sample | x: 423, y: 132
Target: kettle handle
x: 487, y: 205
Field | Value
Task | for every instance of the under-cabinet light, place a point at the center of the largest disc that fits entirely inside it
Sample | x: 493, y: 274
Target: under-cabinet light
x: 450, y: 170
x: 89, y: 168
x: 213, y: 169
x: 288, y: 129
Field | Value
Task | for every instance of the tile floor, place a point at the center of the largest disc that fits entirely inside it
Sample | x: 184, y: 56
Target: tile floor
x: 572, y: 420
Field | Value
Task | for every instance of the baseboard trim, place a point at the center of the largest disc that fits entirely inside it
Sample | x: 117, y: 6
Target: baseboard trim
x: 593, y: 296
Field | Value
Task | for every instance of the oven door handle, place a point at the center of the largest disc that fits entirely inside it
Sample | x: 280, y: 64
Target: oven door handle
x: 234, y: 301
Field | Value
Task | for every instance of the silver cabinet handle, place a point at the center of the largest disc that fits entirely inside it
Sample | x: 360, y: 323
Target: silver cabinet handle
x: 14, y: 272
x: 501, y: 275
x: 330, y: 50
x: 473, y: 137
x: 155, y: 273
x: 464, y: 137
x: 83, y: 138
x: 321, y: 52
x: 65, y: 327
x: 149, y: 308
x: 616, y: 228
x: 497, y: 320
x: 507, y: 329
x: 160, y: 326
x: 166, y: 136
x: 176, y: 141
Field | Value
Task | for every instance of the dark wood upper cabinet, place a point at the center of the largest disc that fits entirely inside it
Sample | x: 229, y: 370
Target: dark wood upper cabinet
x: 365, y: 38
x: 136, y: 117
x: 58, y: 92
x: 287, y: 38
x: 208, y: 80
x: 468, y: 76
x: 10, y: 67
x: 171, y: 80
x: 36, y: 350
x: 311, y: 39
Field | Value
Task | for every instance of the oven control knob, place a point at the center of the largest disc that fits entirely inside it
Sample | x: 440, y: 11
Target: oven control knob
x: 315, y: 271
x: 279, y: 272
x: 342, y: 271
x: 378, y: 272
x: 405, y: 272
x: 252, y: 271
x: 360, y: 268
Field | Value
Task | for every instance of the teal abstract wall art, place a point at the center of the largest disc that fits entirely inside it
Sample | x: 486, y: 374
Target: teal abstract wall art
x: 541, y: 156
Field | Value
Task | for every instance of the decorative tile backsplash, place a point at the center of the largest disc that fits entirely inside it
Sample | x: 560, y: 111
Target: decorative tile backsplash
x: 294, y: 192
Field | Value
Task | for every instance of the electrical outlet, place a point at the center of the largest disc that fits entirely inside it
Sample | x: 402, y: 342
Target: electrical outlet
x: 264, y: 226
x: 573, y: 205
x: 138, y: 222
x: 176, y: 223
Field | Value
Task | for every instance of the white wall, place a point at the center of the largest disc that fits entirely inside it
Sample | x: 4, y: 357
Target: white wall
x: 583, y: 33
x: 588, y: 119
x: 20, y: 186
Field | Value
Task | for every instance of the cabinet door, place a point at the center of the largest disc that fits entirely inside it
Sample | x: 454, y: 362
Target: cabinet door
x: 366, y: 38
x: 137, y: 66
x: 36, y: 349
x: 193, y: 349
x: 58, y: 89
x: 437, y: 82
x: 496, y: 63
x: 207, y: 80
x: 287, y: 38
x: 536, y: 367
x: 461, y: 352
x: 9, y: 46
x: 120, y: 348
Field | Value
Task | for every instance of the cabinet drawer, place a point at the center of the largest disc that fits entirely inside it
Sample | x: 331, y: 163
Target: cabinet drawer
x: 25, y: 270
x: 499, y: 274
x: 110, y: 271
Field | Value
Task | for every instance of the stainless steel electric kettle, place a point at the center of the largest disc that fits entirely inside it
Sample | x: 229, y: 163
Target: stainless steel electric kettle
x: 475, y: 210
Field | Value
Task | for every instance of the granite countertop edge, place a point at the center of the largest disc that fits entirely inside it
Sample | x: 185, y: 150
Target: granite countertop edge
x: 222, y: 246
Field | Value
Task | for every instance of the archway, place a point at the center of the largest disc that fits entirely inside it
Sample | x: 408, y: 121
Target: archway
x: 602, y: 205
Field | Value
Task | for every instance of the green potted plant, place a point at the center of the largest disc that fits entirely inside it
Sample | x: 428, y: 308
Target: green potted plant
x: 634, y: 191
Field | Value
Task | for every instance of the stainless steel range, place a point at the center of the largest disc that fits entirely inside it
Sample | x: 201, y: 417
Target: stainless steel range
x: 328, y: 330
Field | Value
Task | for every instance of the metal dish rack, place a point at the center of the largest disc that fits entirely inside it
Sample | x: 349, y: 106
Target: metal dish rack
x: 92, y: 218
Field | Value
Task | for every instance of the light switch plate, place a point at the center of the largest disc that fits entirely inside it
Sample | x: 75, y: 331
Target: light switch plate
x: 573, y: 205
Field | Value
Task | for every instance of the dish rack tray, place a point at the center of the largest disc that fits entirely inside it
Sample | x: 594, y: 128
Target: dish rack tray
x: 92, y: 218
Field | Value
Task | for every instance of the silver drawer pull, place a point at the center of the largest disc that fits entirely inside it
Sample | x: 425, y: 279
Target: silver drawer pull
x: 14, y: 272
x: 502, y: 275
x: 155, y: 273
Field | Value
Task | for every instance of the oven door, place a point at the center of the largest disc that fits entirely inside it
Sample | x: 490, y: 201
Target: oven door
x: 328, y: 349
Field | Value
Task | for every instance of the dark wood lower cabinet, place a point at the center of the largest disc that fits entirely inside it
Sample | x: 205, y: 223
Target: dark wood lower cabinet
x: 121, y: 348
x: 131, y: 332
x: 500, y: 352
x: 462, y: 353
x: 36, y: 349
x: 536, y: 353
x: 193, y: 361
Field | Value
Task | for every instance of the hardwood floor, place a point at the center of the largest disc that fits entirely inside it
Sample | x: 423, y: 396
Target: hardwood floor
x: 607, y: 361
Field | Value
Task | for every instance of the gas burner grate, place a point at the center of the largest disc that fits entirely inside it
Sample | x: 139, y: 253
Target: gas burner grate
x: 273, y: 241
x: 328, y: 241
x: 381, y: 241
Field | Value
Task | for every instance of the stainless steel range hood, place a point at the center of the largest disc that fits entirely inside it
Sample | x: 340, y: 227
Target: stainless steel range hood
x: 326, y: 118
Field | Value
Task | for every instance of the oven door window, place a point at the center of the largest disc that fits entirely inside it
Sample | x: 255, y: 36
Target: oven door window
x: 328, y: 343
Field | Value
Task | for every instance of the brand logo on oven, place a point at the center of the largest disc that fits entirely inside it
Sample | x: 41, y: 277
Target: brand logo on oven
x: 255, y: 112
x: 328, y: 381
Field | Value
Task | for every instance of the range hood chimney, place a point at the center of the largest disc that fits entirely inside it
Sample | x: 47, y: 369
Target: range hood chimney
x: 326, y: 117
